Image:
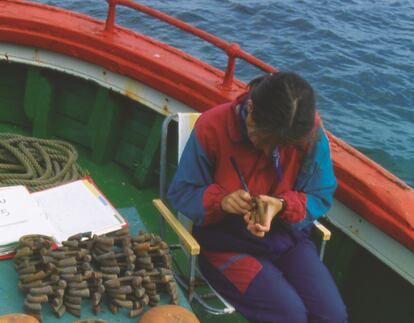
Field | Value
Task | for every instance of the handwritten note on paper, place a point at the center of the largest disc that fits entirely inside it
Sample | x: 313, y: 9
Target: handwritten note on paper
x: 58, y: 212
x: 77, y: 207
x: 15, y: 205
x: 20, y: 216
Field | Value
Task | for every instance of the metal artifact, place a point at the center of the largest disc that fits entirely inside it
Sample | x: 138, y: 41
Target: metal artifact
x: 117, y: 268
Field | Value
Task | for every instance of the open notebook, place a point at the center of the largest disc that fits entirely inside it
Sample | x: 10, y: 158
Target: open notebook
x: 59, y: 212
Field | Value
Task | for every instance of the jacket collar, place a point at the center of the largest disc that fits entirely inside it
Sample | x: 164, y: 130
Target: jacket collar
x: 233, y: 120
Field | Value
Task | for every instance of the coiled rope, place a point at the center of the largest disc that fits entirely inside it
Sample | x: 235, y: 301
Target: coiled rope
x: 37, y: 163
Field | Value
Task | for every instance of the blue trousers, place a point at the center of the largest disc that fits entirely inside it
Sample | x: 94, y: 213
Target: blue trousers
x: 294, y: 286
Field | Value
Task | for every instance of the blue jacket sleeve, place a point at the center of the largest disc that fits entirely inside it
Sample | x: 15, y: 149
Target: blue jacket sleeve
x: 192, y: 181
x: 317, y: 180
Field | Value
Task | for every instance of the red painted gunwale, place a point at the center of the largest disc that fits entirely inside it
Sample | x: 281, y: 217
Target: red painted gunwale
x: 363, y: 185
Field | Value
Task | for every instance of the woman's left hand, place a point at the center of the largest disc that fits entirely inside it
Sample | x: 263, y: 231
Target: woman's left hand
x: 272, y: 206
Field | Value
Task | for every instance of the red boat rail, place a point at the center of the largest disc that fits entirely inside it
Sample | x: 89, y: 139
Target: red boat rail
x: 232, y: 50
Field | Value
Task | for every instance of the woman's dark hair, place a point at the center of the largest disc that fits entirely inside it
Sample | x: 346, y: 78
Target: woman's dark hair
x: 284, y: 107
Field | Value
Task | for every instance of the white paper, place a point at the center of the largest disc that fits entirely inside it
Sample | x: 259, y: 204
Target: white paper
x: 25, y: 216
x: 15, y: 203
x: 77, y: 207
x: 58, y: 212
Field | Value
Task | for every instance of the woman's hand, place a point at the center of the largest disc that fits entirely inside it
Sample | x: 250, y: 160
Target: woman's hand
x: 272, y: 206
x: 238, y: 202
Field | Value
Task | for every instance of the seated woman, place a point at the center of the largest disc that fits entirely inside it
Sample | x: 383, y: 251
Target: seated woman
x: 271, y: 271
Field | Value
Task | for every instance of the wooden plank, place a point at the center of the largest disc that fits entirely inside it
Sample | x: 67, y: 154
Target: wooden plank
x: 105, y: 124
x: 145, y: 168
x: 12, y: 80
x: 12, y: 72
x: 11, y: 111
x: 142, y: 113
x: 71, y: 130
x: 128, y: 155
x: 136, y: 133
x: 138, y: 122
x: 188, y: 240
x: 38, y: 102
x: 74, y: 97
x: 13, y: 88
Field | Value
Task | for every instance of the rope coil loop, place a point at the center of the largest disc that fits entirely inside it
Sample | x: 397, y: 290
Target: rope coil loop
x: 37, y: 163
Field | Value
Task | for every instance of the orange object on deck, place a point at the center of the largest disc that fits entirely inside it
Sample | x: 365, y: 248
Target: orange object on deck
x: 168, y: 314
x: 18, y: 318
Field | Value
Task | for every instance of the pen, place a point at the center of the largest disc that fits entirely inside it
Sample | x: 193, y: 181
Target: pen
x: 236, y: 168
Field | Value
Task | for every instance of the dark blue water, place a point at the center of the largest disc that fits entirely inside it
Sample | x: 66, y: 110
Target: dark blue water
x: 357, y: 54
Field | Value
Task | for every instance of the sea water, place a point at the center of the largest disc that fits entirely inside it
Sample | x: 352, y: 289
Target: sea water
x: 357, y: 54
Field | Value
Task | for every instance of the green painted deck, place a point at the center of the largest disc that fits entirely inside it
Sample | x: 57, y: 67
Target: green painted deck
x: 118, y: 141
